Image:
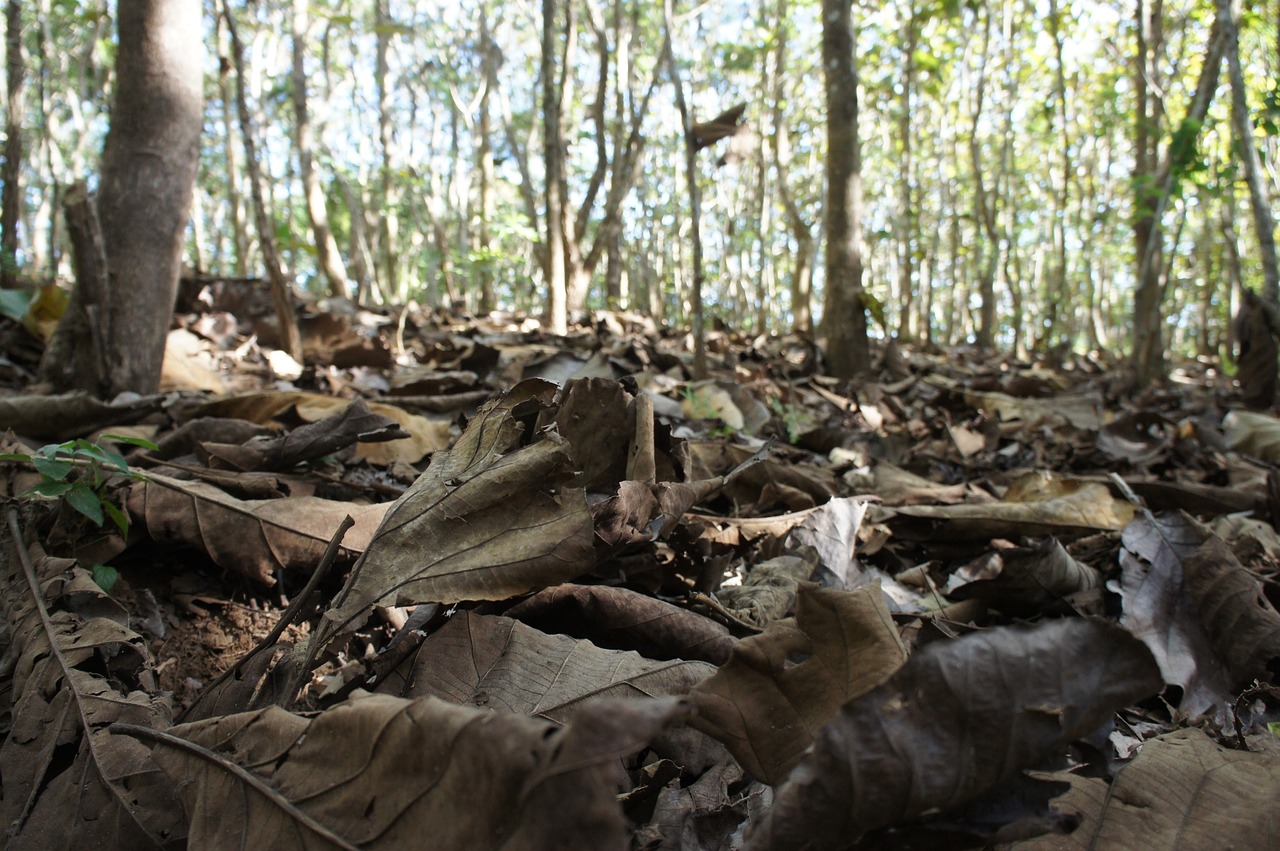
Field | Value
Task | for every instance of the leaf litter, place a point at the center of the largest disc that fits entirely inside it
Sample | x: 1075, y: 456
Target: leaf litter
x: 968, y: 602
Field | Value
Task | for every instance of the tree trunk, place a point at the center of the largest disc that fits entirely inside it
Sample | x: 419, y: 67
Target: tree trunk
x: 908, y: 218
x: 801, y: 230
x: 1242, y: 125
x: 11, y: 206
x: 845, y: 319
x: 695, y: 197
x: 328, y: 258
x: 553, y: 157
x: 1154, y: 188
x: 290, y: 341
x: 490, y: 58
x: 235, y: 201
x: 148, y: 178
x: 388, y: 222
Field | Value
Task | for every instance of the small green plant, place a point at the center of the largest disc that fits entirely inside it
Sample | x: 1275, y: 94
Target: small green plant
x: 796, y: 418
x: 85, y: 493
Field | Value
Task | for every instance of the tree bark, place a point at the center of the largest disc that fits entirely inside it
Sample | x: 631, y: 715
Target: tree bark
x: 281, y: 295
x: 388, y: 222
x: 149, y: 166
x: 490, y: 60
x: 695, y: 196
x: 1153, y: 189
x: 11, y: 206
x: 553, y: 158
x: 845, y: 316
x: 328, y: 257
x: 1263, y: 223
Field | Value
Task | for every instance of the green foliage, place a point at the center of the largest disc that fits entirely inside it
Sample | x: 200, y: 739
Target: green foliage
x: 796, y: 418
x: 85, y: 492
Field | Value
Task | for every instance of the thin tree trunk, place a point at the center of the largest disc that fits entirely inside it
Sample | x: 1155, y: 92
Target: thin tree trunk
x: 11, y: 211
x: 328, y: 258
x: 290, y: 340
x: 553, y: 157
x: 695, y: 195
x: 1154, y: 189
x: 388, y: 222
x: 1263, y: 223
x: 490, y: 57
x: 845, y: 315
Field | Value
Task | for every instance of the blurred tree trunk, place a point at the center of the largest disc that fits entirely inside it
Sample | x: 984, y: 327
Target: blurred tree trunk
x: 328, y: 257
x: 11, y: 206
x: 1242, y: 125
x: 1154, y: 183
x: 801, y: 230
x: 281, y: 293
x: 908, y: 219
x: 388, y: 222
x: 553, y: 158
x: 490, y: 61
x: 695, y: 197
x: 235, y: 200
x: 845, y: 316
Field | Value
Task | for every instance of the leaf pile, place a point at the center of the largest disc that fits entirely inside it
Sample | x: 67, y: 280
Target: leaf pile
x: 964, y: 604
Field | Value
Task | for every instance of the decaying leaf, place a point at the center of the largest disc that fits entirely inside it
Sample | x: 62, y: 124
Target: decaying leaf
x: 1241, y: 623
x: 958, y: 720
x: 499, y: 663
x: 1158, y: 610
x: 68, y: 782
x: 767, y: 708
x: 252, y: 537
x: 489, y: 519
x: 381, y: 772
x: 1184, y: 792
x: 626, y: 620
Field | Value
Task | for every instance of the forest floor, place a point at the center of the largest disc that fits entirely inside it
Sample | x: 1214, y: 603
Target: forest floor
x: 585, y: 601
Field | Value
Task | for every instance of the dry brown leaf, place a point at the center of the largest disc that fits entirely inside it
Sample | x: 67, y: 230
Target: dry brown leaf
x: 426, y: 435
x: 380, y: 772
x: 355, y: 424
x: 1241, y: 623
x: 489, y: 519
x: 1039, y: 505
x: 252, y: 537
x: 1029, y: 579
x: 766, y: 708
x: 623, y: 619
x: 958, y: 720
x: 1183, y: 791
x: 500, y: 663
x: 68, y: 782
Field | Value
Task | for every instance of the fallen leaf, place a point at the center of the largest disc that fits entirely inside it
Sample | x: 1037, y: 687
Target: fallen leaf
x: 381, y: 772
x: 767, y: 708
x: 958, y: 720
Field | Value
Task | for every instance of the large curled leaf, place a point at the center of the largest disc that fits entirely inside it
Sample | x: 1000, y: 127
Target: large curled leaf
x: 380, y: 772
x: 958, y: 720
x: 489, y: 519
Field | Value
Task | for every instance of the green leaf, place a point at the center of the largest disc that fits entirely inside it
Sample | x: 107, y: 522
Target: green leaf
x: 105, y: 575
x: 51, y: 489
x: 118, y: 517
x: 53, y: 469
x: 132, y: 441
x: 15, y: 456
x: 84, y: 500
